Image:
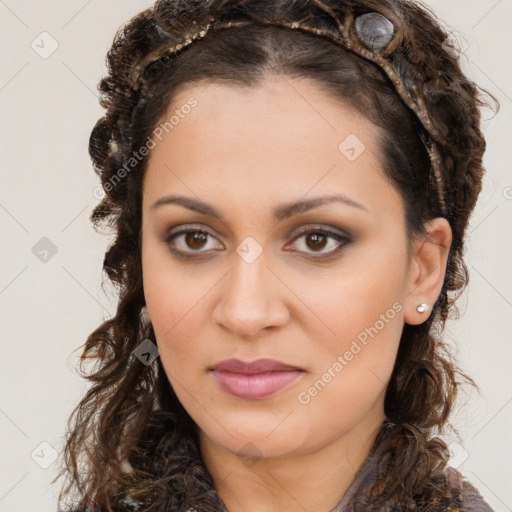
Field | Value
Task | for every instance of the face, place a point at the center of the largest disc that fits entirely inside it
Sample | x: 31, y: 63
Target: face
x: 249, y: 264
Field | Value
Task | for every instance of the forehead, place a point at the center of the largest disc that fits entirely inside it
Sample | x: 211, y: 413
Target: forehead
x: 284, y: 136
x: 261, y: 112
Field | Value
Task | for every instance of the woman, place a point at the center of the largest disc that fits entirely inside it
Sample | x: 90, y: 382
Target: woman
x: 289, y: 184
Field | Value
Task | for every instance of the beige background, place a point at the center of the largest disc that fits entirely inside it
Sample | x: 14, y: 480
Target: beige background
x: 48, y: 108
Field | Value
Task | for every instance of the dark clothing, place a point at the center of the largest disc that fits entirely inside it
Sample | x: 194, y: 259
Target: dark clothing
x: 187, y: 486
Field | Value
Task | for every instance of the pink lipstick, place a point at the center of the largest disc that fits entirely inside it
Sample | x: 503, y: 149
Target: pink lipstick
x: 255, y: 379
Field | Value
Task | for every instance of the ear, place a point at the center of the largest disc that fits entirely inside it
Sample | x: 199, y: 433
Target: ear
x: 427, y: 268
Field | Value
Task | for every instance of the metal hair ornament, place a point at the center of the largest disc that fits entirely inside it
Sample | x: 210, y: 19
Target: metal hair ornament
x: 370, y: 35
x: 374, y: 30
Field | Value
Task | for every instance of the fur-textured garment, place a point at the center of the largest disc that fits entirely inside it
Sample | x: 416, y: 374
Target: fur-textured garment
x: 449, y: 493
x: 446, y: 491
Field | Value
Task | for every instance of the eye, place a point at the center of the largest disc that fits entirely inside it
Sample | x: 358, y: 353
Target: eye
x: 188, y: 241
x: 317, y: 239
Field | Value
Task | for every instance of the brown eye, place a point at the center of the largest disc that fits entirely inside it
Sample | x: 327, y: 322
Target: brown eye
x: 196, y: 239
x: 189, y: 241
x: 314, y: 241
x: 194, y: 242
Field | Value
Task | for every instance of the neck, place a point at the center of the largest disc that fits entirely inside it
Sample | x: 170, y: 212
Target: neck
x: 316, y: 480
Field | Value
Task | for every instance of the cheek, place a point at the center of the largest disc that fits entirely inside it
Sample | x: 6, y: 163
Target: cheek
x: 178, y: 331
x: 174, y: 306
x: 363, y: 309
x: 170, y: 295
x: 170, y: 290
x: 363, y: 296
x: 177, y: 302
x: 353, y: 364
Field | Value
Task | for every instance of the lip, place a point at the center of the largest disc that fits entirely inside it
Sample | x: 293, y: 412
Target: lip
x: 254, y: 379
x: 253, y: 367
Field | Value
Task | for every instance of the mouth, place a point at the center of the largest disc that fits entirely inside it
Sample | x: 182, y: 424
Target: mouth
x: 254, y: 379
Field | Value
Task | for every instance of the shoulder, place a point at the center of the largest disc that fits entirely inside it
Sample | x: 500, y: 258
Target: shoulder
x: 459, y: 495
x: 469, y: 499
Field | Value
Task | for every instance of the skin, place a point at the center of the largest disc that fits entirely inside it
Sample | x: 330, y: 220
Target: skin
x: 245, y: 151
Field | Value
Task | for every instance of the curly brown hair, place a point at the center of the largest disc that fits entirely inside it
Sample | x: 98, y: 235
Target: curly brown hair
x: 130, y: 437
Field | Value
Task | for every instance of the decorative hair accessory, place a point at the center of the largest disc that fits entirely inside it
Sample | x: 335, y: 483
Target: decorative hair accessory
x: 370, y: 35
x: 374, y: 30
x: 422, y: 308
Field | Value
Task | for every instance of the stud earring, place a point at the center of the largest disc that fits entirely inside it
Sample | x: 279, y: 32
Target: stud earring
x: 422, y: 308
x: 144, y: 315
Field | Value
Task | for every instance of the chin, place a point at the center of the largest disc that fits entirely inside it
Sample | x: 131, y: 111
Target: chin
x: 257, y: 435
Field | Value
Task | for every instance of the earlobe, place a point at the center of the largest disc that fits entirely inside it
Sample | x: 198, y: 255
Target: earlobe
x: 427, y: 270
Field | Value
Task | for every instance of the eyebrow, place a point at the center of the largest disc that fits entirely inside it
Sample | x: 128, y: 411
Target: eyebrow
x: 281, y: 212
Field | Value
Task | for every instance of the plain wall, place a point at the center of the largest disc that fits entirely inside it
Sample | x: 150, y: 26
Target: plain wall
x: 48, y: 107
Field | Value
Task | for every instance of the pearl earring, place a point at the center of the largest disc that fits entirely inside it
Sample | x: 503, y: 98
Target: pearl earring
x: 422, y: 308
x: 144, y: 315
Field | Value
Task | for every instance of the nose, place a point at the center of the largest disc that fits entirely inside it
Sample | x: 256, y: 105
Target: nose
x: 251, y: 299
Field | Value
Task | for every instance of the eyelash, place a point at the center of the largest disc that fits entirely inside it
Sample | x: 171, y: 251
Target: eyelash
x: 343, y: 239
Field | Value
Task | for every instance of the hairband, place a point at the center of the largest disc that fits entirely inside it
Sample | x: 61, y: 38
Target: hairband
x: 370, y: 35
